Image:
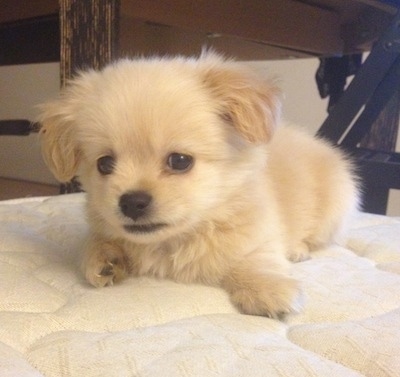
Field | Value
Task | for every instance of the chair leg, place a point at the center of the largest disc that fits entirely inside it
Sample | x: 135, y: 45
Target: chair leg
x: 89, y: 39
x: 89, y: 34
x: 375, y: 199
x: 374, y: 86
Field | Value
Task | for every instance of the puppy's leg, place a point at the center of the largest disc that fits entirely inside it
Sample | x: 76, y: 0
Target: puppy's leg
x: 259, y: 285
x: 104, y: 263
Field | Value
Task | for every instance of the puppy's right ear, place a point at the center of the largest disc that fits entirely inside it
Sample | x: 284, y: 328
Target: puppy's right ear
x: 59, y: 145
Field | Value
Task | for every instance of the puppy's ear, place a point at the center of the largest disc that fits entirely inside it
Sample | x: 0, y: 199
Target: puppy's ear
x: 250, y: 103
x: 59, y: 145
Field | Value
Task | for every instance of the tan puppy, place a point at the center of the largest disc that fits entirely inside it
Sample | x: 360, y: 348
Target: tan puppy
x: 188, y: 179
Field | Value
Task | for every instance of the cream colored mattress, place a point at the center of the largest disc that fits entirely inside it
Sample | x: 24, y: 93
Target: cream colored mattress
x: 53, y: 324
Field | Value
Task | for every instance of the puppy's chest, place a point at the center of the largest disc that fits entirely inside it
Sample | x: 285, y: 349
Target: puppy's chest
x: 186, y: 262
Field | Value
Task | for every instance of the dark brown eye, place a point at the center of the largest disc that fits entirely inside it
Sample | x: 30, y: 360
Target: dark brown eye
x: 105, y: 165
x: 179, y: 162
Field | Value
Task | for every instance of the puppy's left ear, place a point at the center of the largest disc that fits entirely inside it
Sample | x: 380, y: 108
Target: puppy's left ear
x: 250, y: 103
x: 60, y: 148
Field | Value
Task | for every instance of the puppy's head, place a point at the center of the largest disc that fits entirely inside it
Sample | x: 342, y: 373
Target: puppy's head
x: 161, y: 145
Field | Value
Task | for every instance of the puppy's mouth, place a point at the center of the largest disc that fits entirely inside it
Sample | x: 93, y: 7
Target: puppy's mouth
x: 144, y: 228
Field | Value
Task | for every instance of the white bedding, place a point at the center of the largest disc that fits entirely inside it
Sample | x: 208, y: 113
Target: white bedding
x: 53, y: 324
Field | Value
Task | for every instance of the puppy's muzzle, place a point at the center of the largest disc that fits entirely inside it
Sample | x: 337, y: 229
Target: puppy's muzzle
x: 135, y: 204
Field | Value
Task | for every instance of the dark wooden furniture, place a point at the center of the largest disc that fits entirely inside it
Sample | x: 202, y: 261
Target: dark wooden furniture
x: 254, y: 29
x: 365, y: 120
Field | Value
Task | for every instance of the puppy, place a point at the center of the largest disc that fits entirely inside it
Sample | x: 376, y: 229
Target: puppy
x: 188, y: 177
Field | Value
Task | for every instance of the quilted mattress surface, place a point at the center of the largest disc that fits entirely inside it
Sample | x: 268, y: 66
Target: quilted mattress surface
x: 52, y: 323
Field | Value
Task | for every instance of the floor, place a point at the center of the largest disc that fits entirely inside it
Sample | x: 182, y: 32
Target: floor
x: 12, y: 189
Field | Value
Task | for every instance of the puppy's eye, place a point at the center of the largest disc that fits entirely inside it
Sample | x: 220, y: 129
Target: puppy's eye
x: 105, y: 165
x: 180, y: 162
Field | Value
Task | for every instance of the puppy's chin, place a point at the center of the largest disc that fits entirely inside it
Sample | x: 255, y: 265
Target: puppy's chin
x: 147, y: 233
x: 150, y: 233
x: 150, y: 228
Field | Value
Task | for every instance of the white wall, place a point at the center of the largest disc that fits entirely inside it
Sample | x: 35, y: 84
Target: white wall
x: 301, y: 102
x: 23, y: 87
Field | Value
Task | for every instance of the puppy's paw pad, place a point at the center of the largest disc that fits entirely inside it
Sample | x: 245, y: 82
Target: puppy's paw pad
x: 109, y: 273
x: 104, y: 268
x: 107, y: 270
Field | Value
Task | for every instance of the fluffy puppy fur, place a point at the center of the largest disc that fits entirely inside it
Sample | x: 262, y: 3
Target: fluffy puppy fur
x: 189, y: 178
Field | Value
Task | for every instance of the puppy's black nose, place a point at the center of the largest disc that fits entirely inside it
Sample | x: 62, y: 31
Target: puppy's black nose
x: 135, y: 204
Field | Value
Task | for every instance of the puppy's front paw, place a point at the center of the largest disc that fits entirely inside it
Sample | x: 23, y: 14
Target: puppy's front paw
x: 299, y: 253
x: 273, y: 295
x: 106, y: 273
x: 105, y: 263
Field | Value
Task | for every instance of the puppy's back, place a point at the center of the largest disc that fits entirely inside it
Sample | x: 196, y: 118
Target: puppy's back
x: 315, y: 187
